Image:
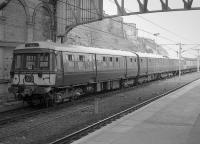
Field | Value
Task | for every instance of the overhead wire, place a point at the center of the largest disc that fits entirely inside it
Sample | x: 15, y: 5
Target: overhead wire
x: 161, y: 27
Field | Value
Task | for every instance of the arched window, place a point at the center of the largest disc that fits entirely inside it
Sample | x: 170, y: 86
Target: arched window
x: 42, y: 24
x: 15, y: 27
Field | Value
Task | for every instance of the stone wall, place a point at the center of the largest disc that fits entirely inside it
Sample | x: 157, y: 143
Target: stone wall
x: 149, y: 46
x: 108, y: 33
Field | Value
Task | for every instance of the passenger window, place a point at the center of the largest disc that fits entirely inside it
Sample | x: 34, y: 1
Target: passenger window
x: 81, y: 58
x: 69, y: 57
x: 111, y: 59
x: 131, y: 60
x: 135, y: 60
x: 141, y: 60
x: 117, y: 59
x: 104, y: 59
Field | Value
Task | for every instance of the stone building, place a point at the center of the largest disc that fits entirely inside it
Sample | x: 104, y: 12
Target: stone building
x: 23, y: 21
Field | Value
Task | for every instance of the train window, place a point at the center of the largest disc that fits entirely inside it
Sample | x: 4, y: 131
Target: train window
x: 44, y: 60
x: 81, y: 58
x: 18, y: 61
x: 117, y: 59
x: 135, y: 60
x: 104, y: 59
x: 111, y: 59
x: 141, y: 60
x: 31, y: 61
x: 131, y: 60
x: 69, y: 57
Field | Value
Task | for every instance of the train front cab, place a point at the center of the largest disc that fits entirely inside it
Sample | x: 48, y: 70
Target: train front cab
x: 32, y: 73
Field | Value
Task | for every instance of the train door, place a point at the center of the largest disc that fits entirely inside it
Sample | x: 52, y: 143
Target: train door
x: 59, y: 69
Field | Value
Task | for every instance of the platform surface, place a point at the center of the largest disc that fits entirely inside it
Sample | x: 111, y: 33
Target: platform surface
x: 173, y: 119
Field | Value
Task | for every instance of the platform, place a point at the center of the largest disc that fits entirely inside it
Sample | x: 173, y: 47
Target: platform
x: 173, y: 119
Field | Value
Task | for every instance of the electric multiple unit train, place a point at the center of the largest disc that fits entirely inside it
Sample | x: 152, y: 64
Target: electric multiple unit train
x: 48, y: 72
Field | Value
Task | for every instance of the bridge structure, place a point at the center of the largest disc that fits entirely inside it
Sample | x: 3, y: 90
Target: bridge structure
x: 71, y: 13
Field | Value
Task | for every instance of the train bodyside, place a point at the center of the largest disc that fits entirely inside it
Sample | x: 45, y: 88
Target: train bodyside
x: 81, y: 65
x: 154, y: 67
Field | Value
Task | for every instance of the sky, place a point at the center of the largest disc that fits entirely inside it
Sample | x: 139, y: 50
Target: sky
x: 182, y: 27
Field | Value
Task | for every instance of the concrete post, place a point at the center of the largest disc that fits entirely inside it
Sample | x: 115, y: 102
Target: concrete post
x: 179, y: 64
x: 198, y: 60
x: 96, y: 105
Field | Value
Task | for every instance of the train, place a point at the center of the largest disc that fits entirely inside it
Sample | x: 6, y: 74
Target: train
x: 49, y: 73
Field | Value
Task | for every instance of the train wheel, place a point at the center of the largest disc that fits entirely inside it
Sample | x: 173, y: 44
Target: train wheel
x: 51, y: 97
x: 46, y: 102
x: 30, y: 103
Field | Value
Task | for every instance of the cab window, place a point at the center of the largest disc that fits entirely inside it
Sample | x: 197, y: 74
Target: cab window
x: 44, y: 61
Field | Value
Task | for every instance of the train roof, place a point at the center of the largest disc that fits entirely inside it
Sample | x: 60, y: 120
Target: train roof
x: 82, y: 49
x: 150, y: 55
x: 73, y: 48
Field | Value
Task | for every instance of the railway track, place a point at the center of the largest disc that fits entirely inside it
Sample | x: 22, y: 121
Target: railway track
x: 83, y: 132
x: 18, y: 114
x: 40, y: 124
